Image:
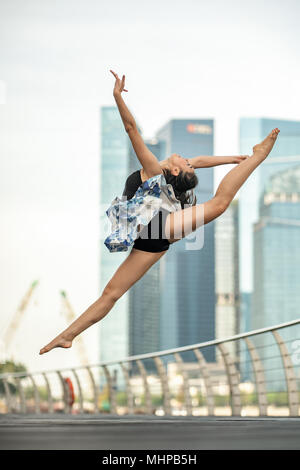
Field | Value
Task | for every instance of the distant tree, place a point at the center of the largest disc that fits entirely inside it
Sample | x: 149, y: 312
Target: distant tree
x: 7, y: 367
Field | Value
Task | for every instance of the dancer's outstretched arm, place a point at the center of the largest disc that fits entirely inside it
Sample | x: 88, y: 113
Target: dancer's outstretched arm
x: 147, y: 159
x: 204, y: 161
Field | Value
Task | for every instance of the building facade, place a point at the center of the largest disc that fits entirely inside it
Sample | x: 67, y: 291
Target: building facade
x: 187, y: 274
x: 113, y: 173
x: 285, y: 154
x: 227, y: 276
x: 144, y: 295
x: 276, y: 295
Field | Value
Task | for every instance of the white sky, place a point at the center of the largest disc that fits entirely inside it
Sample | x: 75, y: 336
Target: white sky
x: 192, y: 59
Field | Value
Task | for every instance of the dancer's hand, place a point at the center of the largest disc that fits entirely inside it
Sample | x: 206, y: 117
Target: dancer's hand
x: 240, y: 158
x: 119, y: 84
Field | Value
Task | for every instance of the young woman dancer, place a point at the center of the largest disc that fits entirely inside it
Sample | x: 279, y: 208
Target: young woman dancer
x: 166, y: 182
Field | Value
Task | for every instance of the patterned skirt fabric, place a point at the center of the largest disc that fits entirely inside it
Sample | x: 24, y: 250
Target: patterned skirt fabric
x: 126, y: 215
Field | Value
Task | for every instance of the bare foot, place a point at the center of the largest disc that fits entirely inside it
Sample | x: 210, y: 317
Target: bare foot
x: 264, y: 148
x: 59, y: 342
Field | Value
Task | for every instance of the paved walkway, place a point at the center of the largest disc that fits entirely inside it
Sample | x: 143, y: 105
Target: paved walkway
x: 134, y: 432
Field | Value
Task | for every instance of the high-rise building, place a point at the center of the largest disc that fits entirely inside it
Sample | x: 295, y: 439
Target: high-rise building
x: 227, y: 276
x: 144, y: 295
x: 114, y: 171
x: 276, y: 295
x: 187, y: 274
x: 284, y: 154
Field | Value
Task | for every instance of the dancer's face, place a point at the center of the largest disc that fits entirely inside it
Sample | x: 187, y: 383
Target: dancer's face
x: 179, y: 163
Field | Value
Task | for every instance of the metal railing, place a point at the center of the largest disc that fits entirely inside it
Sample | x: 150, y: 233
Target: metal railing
x: 251, y: 374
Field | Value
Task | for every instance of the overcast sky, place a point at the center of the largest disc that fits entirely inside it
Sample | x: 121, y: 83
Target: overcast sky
x: 182, y: 59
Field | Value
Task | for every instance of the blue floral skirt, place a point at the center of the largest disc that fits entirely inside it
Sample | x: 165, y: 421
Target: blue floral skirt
x: 126, y: 215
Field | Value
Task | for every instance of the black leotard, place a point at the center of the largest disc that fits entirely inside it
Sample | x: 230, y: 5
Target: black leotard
x: 144, y: 241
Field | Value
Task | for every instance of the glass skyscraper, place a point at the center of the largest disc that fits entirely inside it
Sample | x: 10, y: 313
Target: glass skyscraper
x: 113, y: 173
x: 276, y: 295
x: 144, y: 295
x: 285, y: 154
x: 187, y: 275
x: 227, y: 275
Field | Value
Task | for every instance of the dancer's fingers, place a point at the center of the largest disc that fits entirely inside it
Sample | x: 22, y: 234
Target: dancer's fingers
x: 123, y: 83
x: 114, y: 74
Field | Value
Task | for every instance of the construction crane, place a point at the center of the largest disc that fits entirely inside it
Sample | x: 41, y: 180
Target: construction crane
x: 14, y: 324
x: 70, y: 316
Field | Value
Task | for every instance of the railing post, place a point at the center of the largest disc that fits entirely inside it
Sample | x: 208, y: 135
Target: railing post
x: 259, y: 378
x: 148, y: 400
x: 111, y: 391
x: 49, y: 394
x: 7, y: 395
x: 94, y: 387
x: 207, y: 382
x: 36, y: 394
x: 233, y: 381
x: 186, y: 388
x: 79, y: 390
x: 23, y: 407
x: 290, y: 375
x: 128, y: 388
x: 164, y: 384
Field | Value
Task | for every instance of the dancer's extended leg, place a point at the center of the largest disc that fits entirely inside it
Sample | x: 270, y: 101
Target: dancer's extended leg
x: 181, y: 223
x: 129, y: 272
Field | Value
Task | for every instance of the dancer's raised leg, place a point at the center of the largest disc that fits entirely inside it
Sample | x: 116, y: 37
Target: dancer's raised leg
x: 181, y: 223
x: 235, y: 178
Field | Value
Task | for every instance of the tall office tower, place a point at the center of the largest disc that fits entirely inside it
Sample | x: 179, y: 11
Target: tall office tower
x: 284, y: 154
x: 276, y: 295
x: 188, y: 275
x: 144, y: 296
x: 227, y: 276
x: 114, y: 171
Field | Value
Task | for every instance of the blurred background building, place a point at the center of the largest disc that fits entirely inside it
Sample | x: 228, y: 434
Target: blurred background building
x: 113, y: 173
x: 285, y: 154
x: 227, y: 276
x: 268, y: 224
x: 276, y: 294
x: 188, y: 276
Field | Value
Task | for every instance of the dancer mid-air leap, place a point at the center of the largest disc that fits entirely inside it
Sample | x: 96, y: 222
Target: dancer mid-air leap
x: 160, y: 192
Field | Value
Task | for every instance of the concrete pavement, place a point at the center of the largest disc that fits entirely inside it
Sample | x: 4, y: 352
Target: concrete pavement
x: 134, y: 432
